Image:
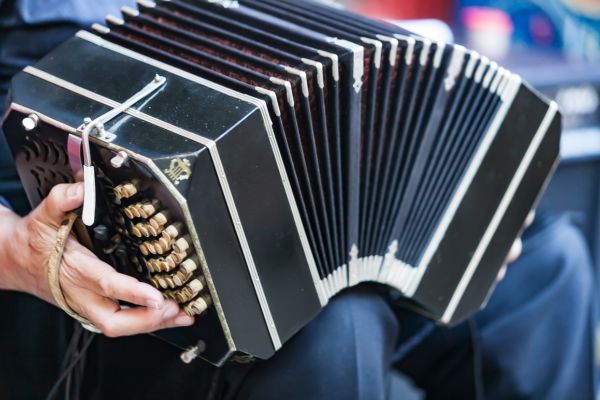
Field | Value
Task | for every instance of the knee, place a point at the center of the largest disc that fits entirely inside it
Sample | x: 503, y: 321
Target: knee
x: 546, y: 298
x: 345, y: 350
x: 362, y: 303
x: 560, y: 252
x: 357, y: 316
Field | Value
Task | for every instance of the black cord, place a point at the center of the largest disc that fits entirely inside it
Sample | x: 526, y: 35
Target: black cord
x: 215, y: 380
x: 70, y: 354
x: 77, y: 372
x: 73, y: 357
x: 477, y: 367
x: 71, y: 347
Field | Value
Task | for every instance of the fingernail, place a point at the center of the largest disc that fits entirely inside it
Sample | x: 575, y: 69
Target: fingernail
x: 74, y: 190
x: 171, y: 310
x: 184, y: 320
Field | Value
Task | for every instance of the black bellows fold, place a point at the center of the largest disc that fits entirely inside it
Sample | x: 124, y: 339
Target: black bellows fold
x: 375, y: 141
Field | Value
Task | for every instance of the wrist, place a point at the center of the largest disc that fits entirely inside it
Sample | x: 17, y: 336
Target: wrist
x: 13, y: 249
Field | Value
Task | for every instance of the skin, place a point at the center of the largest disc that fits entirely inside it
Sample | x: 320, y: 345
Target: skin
x: 90, y: 286
x: 515, y: 250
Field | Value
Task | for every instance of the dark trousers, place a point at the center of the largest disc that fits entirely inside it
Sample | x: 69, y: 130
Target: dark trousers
x: 534, y: 340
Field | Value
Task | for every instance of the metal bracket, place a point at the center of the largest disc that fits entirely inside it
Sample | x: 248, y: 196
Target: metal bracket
x: 95, y: 128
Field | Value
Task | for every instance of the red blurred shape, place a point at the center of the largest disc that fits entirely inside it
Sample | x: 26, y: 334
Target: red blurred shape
x: 486, y: 19
x: 407, y: 9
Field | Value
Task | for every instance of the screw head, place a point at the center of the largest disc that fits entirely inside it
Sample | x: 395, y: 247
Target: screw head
x: 120, y: 159
x: 30, y: 122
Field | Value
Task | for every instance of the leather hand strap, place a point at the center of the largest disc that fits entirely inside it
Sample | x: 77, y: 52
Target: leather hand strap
x: 54, y: 263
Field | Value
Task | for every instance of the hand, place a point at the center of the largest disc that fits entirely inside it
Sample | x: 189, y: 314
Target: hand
x: 515, y: 250
x: 90, y: 286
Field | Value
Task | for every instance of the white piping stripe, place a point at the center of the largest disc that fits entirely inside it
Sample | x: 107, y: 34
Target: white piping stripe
x: 471, y: 65
x: 288, y: 89
x: 335, y: 63
x: 319, y: 67
x: 211, y: 145
x: 358, y: 53
x: 100, y: 28
x: 488, y: 76
x: 130, y: 11
x: 425, y: 51
x: 114, y: 20
x: 483, y: 63
x: 439, y: 52
x: 410, y: 48
x: 273, y: 98
x: 393, y: 49
x: 146, y: 3
x: 303, y: 79
x: 454, y: 67
x: 378, y: 50
x: 499, y: 214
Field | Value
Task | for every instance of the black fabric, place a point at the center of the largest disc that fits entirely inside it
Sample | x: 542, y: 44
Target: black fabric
x: 535, y: 336
x: 33, y: 339
x: 546, y: 298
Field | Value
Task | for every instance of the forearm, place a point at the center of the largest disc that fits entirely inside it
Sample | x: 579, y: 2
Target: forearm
x: 10, y: 237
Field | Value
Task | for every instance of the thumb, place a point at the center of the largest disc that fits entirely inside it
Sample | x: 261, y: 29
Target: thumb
x: 62, y: 199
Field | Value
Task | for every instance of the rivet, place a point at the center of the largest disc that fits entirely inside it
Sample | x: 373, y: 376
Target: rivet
x: 120, y: 159
x: 30, y: 122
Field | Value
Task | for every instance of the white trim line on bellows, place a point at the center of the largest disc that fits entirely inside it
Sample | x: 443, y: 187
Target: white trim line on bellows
x: 499, y: 214
x: 412, y: 282
x: 358, y: 53
x: 393, y: 47
x: 378, y: 50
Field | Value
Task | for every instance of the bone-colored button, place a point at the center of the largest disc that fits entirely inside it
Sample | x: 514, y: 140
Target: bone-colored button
x: 182, y: 244
x: 173, y: 231
x: 198, y: 306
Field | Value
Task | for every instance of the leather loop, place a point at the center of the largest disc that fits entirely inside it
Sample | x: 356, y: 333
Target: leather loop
x: 54, y: 263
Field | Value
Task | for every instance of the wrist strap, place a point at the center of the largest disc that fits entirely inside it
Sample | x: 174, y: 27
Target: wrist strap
x: 54, y: 263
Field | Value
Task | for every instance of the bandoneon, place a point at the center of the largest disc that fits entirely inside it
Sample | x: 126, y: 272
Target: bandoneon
x: 251, y: 159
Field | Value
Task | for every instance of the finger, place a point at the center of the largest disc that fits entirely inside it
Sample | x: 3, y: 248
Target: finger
x: 529, y: 219
x: 180, y: 320
x: 132, y: 321
x: 62, y: 199
x: 114, y: 320
x: 515, y: 251
x: 501, y: 273
x: 83, y: 269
